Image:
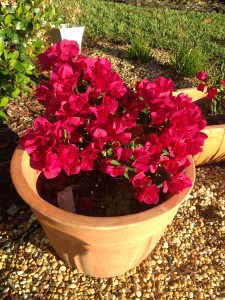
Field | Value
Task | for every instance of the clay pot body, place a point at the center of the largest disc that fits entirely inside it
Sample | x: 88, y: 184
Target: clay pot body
x: 214, y: 146
x: 98, y: 246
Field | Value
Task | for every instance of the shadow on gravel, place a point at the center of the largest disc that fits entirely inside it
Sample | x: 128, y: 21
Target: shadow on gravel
x: 8, y: 142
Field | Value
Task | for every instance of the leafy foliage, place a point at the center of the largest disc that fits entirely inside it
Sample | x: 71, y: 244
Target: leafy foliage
x: 68, y: 11
x: 23, y: 29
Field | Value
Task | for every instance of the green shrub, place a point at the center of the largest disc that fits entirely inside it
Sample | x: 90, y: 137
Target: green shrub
x: 22, y: 37
x: 140, y: 49
x: 188, y: 59
x: 68, y: 11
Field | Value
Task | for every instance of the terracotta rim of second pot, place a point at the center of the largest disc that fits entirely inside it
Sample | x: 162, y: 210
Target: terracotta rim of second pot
x: 20, y: 158
x: 194, y: 93
x: 199, y: 97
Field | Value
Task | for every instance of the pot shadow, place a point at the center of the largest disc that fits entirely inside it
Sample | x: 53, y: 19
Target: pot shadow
x: 150, y: 70
x: 14, y: 212
x: 18, y: 227
x: 210, y: 215
x: 8, y: 143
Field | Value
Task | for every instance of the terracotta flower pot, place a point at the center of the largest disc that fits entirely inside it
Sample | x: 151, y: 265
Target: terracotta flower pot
x: 214, y: 146
x: 97, y: 246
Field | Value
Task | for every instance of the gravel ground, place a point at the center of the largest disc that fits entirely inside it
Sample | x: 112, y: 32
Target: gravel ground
x: 187, y: 263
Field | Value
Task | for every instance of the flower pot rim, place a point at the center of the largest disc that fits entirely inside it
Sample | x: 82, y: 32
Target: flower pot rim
x: 197, y: 96
x: 217, y: 126
x: 193, y: 92
x: 38, y: 204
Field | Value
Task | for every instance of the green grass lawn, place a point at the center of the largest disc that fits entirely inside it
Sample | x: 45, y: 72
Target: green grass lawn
x: 161, y: 28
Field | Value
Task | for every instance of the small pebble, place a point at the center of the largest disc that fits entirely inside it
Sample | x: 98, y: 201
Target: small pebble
x: 62, y: 268
x: 138, y: 293
x: 72, y: 286
x: 165, y: 245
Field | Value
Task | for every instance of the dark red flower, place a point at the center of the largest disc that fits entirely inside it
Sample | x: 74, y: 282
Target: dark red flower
x: 201, y: 76
x: 201, y: 87
x: 140, y: 180
x: 148, y: 194
x: 177, y: 183
x: 211, y: 92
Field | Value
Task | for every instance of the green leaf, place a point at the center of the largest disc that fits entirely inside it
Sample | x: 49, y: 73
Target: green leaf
x: 5, y: 54
x: 4, y: 101
x: 109, y: 151
x: 15, y: 39
x: 15, y: 54
x: 15, y: 93
x: 3, y: 116
x: 27, y: 61
x: 16, y: 64
x: 37, y: 10
x: 21, y: 78
x: 114, y: 162
x: 126, y: 173
x: 1, y: 45
x: 19, y: 10
x: 2, y: 33
x: 10, y: 10
x: 4, y: 72
x: 65, y: 133
x: 19, y: 25
x: 8, y: 19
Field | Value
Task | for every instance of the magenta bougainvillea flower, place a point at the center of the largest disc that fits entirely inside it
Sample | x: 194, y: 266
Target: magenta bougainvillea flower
x: 201, y: 87
x: 213, y: 91
x: 93, y: 121
x: 201, y: 76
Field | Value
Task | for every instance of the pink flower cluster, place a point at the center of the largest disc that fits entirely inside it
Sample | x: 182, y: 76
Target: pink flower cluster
x: 94, y: 121
x: 211, y: 92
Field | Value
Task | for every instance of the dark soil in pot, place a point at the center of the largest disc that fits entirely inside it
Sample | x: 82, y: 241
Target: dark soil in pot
x: 212, y: 119
x: 97, y: 194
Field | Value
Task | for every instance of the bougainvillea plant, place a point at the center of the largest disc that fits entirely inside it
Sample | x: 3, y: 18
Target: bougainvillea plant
x: 92, y: 119
x: 214, y: 92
